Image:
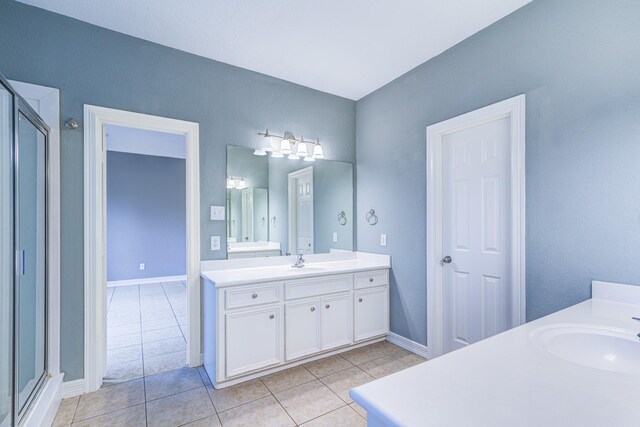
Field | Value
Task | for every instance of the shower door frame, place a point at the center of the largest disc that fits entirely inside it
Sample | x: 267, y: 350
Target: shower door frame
x: 22, y: 106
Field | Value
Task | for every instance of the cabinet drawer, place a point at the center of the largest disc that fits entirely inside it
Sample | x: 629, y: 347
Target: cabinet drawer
x: 370, y: 279
x: 256, y: 295
x: 317, y: 286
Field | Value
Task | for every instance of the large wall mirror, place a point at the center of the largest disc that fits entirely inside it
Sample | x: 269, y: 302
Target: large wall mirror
x: 278, y: 206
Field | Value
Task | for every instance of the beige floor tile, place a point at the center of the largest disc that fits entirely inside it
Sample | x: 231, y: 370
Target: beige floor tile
x: 211, y: 421
x: 124, y: 371
x: 124, y: 340
x: 110, y: 399
x: 172, y: 382
x: 308, y: 401
x: 134, y: 416
x: 179, y: 409
x: 265, y: 412
x: 169, y: 345
x: 341, y: 382
x: 383, y: 366
x: 286, y: 379
x: 363, y: 354
x: 66, y: 411
x: 359, y: 409
x: 204, y: 375
x: 124, y: 354
x: 165, y: 363
x: 237, y: 395
x: 161, y: 334
x: 412, y: 359
x: 343, y: 417
x: 328, y: 365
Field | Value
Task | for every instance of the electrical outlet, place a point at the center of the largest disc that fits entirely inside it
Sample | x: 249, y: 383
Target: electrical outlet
x: 335, y: 236
x: 142, y: 266
x: 217, y: 213
x: 215, y: 243
x: 383, y: 240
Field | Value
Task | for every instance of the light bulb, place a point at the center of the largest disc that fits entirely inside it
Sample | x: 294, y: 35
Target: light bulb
x: 241, y: 184
x: 260, y: 152
x: 285, y: 146
x: 277, y: 154
x: 317, y: 152
x: 268, y: 144
x: 231, y: 183
x: 302, y: 150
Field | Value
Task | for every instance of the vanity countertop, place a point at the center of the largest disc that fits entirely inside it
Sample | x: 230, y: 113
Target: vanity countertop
x: 323, y: 265
x: 511, y: 380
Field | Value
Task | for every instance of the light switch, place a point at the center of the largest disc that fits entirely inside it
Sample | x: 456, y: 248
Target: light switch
x: 335, y: 236
x: 383, y: 240
x: 215, y: 243
x: 142, y: 266
x: 217, y: 213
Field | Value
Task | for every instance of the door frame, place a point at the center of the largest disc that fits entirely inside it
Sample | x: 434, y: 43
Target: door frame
x: 293, y: 211
x: 95, y: 280
x: 514, y: 109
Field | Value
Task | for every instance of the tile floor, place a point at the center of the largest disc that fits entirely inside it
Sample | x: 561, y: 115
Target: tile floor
x: 313, y: 395
x: 146, y: 330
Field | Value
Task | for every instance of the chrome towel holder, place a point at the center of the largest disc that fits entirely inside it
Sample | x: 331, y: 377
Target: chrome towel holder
x: 371, y: 217
x: 342, y: 218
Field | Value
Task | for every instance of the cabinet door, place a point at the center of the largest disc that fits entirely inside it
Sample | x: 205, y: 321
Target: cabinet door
x: 302, y: 329
x: 371, y: 309
x: 252, y: 340
x: 337, y: 320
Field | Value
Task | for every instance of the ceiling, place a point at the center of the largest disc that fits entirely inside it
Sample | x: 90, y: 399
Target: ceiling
x: 344, y: 47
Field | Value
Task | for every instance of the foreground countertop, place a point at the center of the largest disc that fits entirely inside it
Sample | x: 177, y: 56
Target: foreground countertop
x: 241, y: 272
x: 510, y: 380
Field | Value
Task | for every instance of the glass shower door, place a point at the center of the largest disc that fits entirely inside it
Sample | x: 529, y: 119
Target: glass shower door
x: 6, y: 256
x: 31, y: 270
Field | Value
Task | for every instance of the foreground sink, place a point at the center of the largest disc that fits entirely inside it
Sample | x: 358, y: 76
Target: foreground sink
x: 608, y: 349
x: 306, y: 269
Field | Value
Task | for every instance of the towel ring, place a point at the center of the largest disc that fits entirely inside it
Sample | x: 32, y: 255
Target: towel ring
x: 262, y: 222
x: 274, y: 222
x: 371, y: 217
x: 342, y: 218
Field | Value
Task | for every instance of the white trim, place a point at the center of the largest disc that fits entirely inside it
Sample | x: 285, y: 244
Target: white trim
x: 46, y: 404
x: 147, y: 281
x: 72, y: 388
x: 94, y: 231
x: 293, y: 212
x: 407, y: 344
x: 47, y: 105
x: 514, y: 108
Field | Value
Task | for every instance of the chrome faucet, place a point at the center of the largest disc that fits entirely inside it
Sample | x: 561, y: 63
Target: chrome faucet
x: 299, y: 263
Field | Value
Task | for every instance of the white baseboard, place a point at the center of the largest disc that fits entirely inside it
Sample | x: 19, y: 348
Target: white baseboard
x: 72, y: 388
x: 407, y: 344
x: 46, y: 404
x: 148, y: 281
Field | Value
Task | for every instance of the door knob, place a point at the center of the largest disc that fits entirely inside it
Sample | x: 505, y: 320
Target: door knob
x: 313, y: 309
x: 447, y: 259
x: 327, y: 306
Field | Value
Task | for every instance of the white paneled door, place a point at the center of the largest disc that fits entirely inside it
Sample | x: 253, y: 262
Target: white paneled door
x: 476, y: 233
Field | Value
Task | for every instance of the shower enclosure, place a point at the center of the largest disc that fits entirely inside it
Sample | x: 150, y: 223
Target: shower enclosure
x: 23, y: 278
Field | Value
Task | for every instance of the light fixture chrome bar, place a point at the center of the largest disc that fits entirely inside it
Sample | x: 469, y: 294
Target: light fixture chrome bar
x: 293, y: 140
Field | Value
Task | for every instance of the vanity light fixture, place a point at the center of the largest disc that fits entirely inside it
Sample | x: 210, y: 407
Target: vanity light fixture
x: 231, y: 183
x: 238, y: 183
x: 289, y: 146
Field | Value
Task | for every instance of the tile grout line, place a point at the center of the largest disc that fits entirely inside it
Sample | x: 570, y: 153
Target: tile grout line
x: 173, y: 311
x: 144, y: 377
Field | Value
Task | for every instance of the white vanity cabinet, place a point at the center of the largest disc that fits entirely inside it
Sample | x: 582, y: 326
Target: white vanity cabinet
x: 256, y: 328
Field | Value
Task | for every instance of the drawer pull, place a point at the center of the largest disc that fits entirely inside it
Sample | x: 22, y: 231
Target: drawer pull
x: 313, y: 309
x: 271, y: 316
x: 359, y: 299
x: 371, y: 279
x: 327, y: 306
x: 254, y: 296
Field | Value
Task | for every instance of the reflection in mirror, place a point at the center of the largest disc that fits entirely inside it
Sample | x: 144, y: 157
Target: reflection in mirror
x: 278, y: 206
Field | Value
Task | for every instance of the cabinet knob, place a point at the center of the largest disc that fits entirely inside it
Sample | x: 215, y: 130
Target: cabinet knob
x: 327, y: 306
x: 371, y: 279
x: 313, y: 309
x: 359, y: 299
x: 271, y: 316
x: 254, y: 296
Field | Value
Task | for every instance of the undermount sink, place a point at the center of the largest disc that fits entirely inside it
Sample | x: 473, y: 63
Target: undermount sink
x: 599, y: 347
x: 306, y: 269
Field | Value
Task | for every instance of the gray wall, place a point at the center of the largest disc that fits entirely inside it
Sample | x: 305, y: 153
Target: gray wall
x: 146, y: 216
x: 91, y: 65
x: 578, y: 62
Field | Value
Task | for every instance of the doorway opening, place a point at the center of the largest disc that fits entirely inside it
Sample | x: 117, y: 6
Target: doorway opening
x: 301, y: 211
x: 146, y: 252
x: 475, y: 226
x: 141, y: 281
